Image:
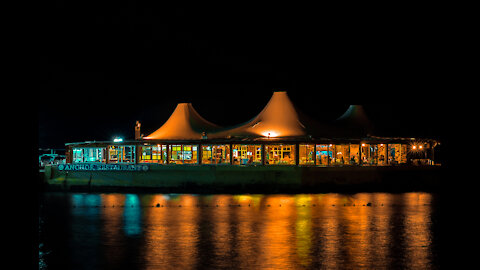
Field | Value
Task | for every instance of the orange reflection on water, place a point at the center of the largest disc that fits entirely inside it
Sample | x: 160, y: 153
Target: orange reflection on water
x: 327, y: 229
x: 220, y: 216
x: 277, y: 247
x: 380, y: 224
x: 171, y: 232
x: 112, y: 226
x: 320, y: 231
x: 355, y: 223
x: 417, y: 235
x: 155, y: 249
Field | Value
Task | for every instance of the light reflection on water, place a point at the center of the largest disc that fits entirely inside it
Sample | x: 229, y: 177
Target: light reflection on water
x: 184, y: 231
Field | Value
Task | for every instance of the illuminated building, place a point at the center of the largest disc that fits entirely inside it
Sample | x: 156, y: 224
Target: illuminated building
x: 278, y: 135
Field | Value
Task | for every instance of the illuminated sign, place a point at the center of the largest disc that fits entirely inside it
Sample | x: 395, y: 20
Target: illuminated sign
x: 102, y: 167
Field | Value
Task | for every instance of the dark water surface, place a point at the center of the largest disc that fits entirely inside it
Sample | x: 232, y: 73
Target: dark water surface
x: 187, y: 231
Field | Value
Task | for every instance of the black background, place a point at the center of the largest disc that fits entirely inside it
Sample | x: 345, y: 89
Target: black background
x: 107, y: 65
x: 104, y: 65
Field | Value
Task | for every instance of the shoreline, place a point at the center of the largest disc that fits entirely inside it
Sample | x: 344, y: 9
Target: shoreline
x: 242, y: 180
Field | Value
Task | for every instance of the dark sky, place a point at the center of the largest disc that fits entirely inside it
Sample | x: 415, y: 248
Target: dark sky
x: 107, y: 65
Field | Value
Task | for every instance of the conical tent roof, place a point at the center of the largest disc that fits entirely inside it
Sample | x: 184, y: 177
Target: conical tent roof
x: 279, y: 118
x: 354, y: 122
x: 184, y: 124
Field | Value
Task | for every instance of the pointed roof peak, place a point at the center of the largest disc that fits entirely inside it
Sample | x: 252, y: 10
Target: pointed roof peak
x: 279, y: 118
x: 356, y: 119
x: 184, y: 123
x: 353, y: 112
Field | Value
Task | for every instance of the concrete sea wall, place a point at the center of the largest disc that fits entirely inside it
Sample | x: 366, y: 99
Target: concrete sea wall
x: 247, y: 179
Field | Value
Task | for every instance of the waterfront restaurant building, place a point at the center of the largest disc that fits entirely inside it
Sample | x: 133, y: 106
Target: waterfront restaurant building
x: 279, y: 135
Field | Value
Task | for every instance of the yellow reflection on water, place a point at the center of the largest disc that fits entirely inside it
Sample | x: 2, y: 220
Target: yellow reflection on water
x: 303, y: 228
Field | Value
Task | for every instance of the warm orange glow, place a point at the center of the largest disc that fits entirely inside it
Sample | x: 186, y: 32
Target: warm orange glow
x: 419, y: 238
x: 281, y: 232
x: 184, y: 123
x: 112, y: 230
x: 171, y: 231
x: 279, y: 118
x: 270, y: 134
x: 279, y: 244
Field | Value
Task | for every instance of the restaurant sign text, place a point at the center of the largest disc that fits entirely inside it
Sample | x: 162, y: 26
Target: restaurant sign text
x: 102, y: 167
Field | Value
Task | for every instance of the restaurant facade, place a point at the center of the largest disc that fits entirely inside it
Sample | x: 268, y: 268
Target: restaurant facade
x: 280, y: 135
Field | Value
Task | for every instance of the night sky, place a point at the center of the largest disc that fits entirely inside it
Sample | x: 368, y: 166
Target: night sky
x: 106, y: 66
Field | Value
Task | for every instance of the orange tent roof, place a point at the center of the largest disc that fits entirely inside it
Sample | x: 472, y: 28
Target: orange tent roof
x: 279, y: 118
x: 184, y: 124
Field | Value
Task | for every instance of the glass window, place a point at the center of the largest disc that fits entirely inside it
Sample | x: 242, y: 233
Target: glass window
x: 373, y: 154
x: 216, y: 154
x: 369, y: 153
x: 306, y: 154
x: 280, y: 154
x: 381, y: 154
x: 354, y: 154
x: 121, y: 154
x: 246, y: 154
x: 77, y: 155
x: 183, y: 154
x: 341, y: 154
x: 397, y: 153
x: 154, y: 154
x: 128, y: 154
x: 324, y: 154
x: 88, y: 154
x: 113, y: 154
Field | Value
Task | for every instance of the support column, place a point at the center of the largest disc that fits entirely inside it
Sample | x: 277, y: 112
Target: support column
x: 199, y: 154
x: 231, y: 153
x: 328, y: 154
x: 360, y: 153
x: 386, y: 154
x: 315, y: 154
x: 433, y: 153
x: 137, y: 153
x: 107, y: 154
x: 168, y: 153
x: 263, y: 153
x: 297, y: 152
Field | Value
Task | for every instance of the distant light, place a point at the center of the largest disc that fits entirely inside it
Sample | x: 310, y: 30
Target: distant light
x: 118, y: 140
x: 414, y: 147
x: 363, y: 144
x: 420, y: 147
x: 270, y: 134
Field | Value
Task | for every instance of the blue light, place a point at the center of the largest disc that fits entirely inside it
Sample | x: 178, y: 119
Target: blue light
x: 132, y: 215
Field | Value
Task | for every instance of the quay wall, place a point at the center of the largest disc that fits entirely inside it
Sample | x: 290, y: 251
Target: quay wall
x: 248, y: 179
